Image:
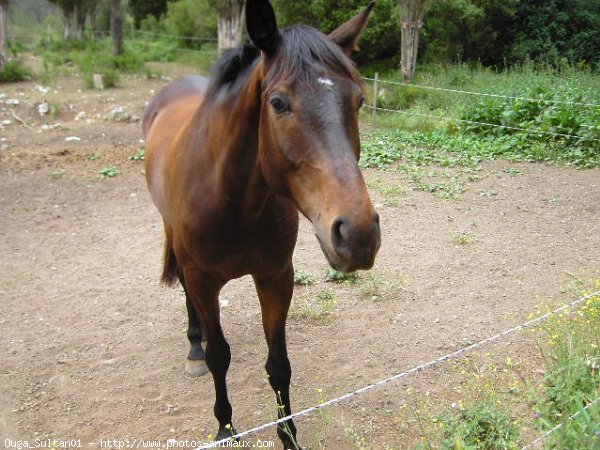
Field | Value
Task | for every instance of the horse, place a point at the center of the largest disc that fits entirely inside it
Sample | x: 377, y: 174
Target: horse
x: 230, y: 163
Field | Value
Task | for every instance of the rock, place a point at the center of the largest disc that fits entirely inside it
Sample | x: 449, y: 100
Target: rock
x: 6, y: 122
x: 72, y: 139
x: 13, y: 102
x: 119, y: 114
x: 98, y: 81
x: 42, y: 89
x: 44, y: 108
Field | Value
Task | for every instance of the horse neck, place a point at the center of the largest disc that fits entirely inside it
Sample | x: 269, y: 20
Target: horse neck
x: 237, y: 123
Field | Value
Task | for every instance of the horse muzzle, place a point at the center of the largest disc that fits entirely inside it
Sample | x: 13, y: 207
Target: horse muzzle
x: 353, y: 244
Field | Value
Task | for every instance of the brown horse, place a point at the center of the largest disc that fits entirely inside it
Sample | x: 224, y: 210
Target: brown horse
x: 231, y: 160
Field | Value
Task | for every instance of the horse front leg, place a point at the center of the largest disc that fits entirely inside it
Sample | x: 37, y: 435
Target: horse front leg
x: 275, y: 295
x: 203, y: 291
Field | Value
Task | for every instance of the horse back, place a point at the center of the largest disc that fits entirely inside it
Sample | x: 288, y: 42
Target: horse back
x: 190, y: 86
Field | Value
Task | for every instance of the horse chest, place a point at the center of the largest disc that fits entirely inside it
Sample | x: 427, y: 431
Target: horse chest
x: 235, y: 245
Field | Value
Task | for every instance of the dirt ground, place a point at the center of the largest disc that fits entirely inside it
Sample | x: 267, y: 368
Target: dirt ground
x: 93, y: 348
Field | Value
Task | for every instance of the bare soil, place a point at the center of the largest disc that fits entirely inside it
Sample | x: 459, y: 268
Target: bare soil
x: 93, y: 348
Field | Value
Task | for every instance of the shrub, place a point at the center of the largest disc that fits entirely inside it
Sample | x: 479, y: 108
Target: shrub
x: 14, y: 71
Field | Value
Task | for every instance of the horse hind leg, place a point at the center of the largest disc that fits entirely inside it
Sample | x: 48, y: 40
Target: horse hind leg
x: 195, y: 365
x: 203, y: 293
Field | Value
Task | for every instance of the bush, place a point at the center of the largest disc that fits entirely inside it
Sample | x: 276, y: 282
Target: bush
x: 13, y: 72
x: 191, y: 18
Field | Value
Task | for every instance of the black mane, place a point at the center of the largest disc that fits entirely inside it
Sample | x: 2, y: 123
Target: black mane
x: 302, y: 54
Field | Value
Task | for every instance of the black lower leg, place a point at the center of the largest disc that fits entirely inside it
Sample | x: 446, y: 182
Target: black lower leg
x: 279, y: 372
x: 194, y: 331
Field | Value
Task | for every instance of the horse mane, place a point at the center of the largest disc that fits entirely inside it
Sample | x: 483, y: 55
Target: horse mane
x: 303, y: 54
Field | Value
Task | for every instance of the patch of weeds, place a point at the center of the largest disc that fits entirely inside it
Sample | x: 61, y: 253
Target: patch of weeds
x: 463, y: 238
x: 572, y: 357
x: 302, y: 278
x: 374, y: 285
x: 335, y: 276
x: 513, y: 172
x: 140, y: 154
x: 14, y: 71
x: 448, y: 191
x: 390, y: 192
x: 481, y: 426
x: 320, y: 308
x: 94, y: 157
x: 109, y: 172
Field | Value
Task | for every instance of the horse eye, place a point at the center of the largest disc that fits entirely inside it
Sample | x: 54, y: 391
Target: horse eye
x: 280, y: 106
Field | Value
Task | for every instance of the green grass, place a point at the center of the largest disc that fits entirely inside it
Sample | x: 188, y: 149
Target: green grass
x: 438, y: 124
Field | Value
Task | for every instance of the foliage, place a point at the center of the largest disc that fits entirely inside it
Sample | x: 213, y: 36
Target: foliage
x: 14, y: 71
x: 191, y: 18
x: 335, y: 276
x: 381, y: 38
x: 550, y: 30
x: 140, y: 9
x: 483, y: 425
x: 302, y: 278
x: 468, y: 30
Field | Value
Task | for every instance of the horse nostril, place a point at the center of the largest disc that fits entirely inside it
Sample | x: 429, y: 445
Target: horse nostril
x: 339, y: 237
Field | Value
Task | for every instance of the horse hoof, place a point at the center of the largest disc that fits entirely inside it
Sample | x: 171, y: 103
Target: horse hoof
x: 196, y: 368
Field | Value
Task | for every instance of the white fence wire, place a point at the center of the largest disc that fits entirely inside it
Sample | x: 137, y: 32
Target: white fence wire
x: 485, y: 94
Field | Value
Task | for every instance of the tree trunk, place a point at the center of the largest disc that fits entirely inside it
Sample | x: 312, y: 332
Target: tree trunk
x: 70, y: 24
x: 411, y: 17
x: 230, y: 24
x: 80, y: 16
x: 116, y: 27
x: 3, y: 33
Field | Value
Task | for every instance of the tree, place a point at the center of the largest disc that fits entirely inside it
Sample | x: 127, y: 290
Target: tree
x: 116, y: 26
x: 469, y: 30
x: 550, y: 30
x: 140, y: 9
x: 376, y: 43
x: 411, y: 18
x: 3, y: 33
x: 230, y: 22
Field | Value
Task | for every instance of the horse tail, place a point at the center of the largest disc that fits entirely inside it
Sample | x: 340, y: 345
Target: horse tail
x: 170, y: 269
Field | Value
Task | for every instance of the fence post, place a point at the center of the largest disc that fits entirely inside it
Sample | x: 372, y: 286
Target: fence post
x: 375, y: 93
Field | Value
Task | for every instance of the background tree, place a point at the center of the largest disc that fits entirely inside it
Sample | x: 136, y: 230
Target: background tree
x: 411, y: 19
x: 377, y: 42
x: 548, y: 30
x: 140, y: 9
x: 3, y: 33
x: 469, y: 30
x: 116, y: 26
x: 191, y: 19
x: 230, y: 22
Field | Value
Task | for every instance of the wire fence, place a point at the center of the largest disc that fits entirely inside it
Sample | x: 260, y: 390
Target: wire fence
x: 484, y: 94
x: 398, y: 376
x: 374, y: 107
x: 474, y: 122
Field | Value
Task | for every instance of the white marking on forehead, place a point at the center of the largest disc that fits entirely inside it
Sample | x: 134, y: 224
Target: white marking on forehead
x: 325, y: 81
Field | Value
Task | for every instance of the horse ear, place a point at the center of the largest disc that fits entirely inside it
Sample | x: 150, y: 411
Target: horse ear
x: 262, y: 26
x: 347, y: 34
